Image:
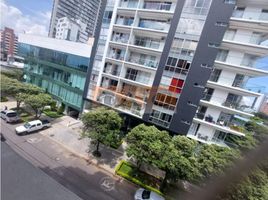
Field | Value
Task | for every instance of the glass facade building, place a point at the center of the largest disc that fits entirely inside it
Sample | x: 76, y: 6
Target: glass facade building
x: 60, y: 74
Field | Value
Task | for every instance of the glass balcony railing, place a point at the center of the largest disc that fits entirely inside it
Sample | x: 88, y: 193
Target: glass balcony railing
x: 157, y: 5
x: 125, y: 21
x: 145, y: 62
x: 250, y: 15
x: 154, y: 24
x: 143, y: 42
x: 116, y: 55
x: 122, y: 39
x: 129, y: 4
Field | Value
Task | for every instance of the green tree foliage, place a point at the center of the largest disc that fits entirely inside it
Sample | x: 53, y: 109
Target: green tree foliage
x: 213, y: 159
x: 103, y: 126
x: 14, y: 74
x: 38, y: 102
x: 147, y: 144
x: 17, y: 89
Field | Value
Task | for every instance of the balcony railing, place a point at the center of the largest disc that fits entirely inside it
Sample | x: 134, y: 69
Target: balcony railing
x: 115, y: 55
x: 129, y: 4
x: 122, y: 39
x: 250, y: 15
x: 145, y: 62
x: 147, y: 43
x: 157, y: 5
x: 154, y: 24
x: 125, y: 21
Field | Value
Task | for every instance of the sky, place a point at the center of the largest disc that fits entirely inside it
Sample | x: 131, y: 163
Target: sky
x: 26, y: 16
x: 33, y: 16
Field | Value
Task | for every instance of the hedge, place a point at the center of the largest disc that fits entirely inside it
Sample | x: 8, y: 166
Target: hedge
x: 133, y: 179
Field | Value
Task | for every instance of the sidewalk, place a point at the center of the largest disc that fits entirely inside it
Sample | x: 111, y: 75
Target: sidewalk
x: 66, y: 131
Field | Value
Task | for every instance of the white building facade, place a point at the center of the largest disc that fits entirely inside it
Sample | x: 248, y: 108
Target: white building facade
x: 183, y: 65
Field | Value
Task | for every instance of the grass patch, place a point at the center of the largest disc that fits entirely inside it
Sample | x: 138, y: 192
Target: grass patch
x: 4, y: 99
x: 131, y: 173
x: 52, y: 114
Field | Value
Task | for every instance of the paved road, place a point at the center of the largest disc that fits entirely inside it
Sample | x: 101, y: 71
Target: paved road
x: 80, y: 177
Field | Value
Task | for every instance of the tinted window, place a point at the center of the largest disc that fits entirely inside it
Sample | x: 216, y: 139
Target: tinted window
x: 11, y: 114
x: 33, y: 126
x: 39, y: 124
x: 146, y: 194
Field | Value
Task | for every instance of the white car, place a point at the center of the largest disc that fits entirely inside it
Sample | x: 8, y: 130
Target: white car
x: 142, y: 194
x: 32, y: 126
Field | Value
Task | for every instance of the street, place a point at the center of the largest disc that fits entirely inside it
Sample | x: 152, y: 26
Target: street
x: 76, y: 174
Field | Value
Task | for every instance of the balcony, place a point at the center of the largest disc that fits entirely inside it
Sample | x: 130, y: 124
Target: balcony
x: 250, y: 15
x: 112, y: 69
x: 148, y: 43
x: 208, y: 121
x: 243, y: 69
x: 143, y: 60
x: 235, y: 85
x: 120, y: 38
x: 129, y: 4
x: 136, y: 93
x: 116, y: 54
x: 250, y: 19
x: 125, y: 21
x: 166, y: 6
x: 156, y: 25
x: 228, y: 106
x: 129, y: 106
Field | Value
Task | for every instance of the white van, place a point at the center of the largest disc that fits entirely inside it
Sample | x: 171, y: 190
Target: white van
x: 10, y: 116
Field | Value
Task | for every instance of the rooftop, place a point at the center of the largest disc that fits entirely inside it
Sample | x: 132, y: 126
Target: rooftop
x: 75, y: 48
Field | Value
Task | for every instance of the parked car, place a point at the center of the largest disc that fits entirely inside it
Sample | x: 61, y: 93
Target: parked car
x: 142, y: 194
x: 32, y: 126
x: 10, y: 116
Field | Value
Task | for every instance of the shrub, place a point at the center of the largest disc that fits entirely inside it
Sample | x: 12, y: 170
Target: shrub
x: 124, y: 169
x: 4, y: 99
x: 61, y: 109
x: 52, y: 114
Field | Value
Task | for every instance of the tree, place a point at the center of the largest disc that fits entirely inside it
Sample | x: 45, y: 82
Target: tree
x: 14, y: 74
x: 147, y: 144
x: 213, y: 160
x: 103, y: 126
x: 179, y: 162
x: 38, y: 102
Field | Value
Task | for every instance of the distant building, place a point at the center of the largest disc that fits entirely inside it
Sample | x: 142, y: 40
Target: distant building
x: 264, y: 105
x: 83, y: 14
x: 68, y: 29
x: 9, y: 43
x: 58, y: 66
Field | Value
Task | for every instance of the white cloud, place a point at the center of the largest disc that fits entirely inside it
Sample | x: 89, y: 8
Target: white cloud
x: 13, y: 18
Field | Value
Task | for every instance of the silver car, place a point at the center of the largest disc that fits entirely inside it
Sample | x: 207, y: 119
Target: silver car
x: 10, y: 116
x: 142, y: 194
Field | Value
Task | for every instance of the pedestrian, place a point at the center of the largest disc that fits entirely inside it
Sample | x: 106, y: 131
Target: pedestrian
x: 5, y: 107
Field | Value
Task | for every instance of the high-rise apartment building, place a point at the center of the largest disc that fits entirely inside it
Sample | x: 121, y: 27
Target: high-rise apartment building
x: 182, y: 65
x: 80, y: 11
x: 8, y: 42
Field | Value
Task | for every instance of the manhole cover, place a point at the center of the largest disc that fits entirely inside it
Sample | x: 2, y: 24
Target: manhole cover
x: 107, y: 183
x: 34, y: 140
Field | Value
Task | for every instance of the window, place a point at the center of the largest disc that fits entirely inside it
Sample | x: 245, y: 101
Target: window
x: 230, y: 34
x: 160, y: 118
x: 176, y: 85
x: 165, y: 101
x: 222, y: 55
x: 238, y: 12
x: 264, y: 15
x: 215, y: 75
x: 131, y: 74
x: 177, y: 65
